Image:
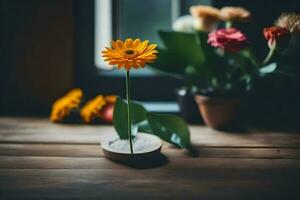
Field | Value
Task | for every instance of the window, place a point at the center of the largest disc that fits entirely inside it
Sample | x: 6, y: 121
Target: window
x: 130, y: 18
x: 98, y: 22
x: 136, y: 19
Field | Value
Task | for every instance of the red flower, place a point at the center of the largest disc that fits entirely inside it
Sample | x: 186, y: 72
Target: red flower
x: 275, y: 33
x: 229, y: 39
x: 107, y: 113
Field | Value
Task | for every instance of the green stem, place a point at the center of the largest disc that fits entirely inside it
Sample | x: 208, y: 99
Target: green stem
x: 270, y: 54
x: 248, y: 55
x: 243, y: 70
x: 129, y: 110
x: 242, y: 66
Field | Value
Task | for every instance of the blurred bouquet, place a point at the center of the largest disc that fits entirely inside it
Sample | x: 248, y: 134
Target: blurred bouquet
x: 218, y: 62
x: 72, y: 108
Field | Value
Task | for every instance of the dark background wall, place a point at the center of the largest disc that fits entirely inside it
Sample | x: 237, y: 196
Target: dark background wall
x: 36, y: 54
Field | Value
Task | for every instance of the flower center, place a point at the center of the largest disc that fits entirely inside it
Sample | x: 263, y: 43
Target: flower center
x: 129, y: 53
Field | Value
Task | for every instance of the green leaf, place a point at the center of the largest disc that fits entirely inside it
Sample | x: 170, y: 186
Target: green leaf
x: 188, y: 54
x: 183, y: 45
x: 170, y: 128
x: 168, y: 62
x: 120, y: 121
x: 268, y: 69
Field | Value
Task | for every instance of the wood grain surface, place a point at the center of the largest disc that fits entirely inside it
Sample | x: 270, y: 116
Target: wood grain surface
x: 41, y: 160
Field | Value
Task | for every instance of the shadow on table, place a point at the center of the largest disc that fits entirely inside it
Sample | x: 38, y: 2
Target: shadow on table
x: 147, y: 163
x: 238, y: 126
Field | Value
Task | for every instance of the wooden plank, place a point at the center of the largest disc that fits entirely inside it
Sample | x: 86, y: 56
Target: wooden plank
x: 23, y: 130
x: 58, y: 150
x: 186, y: 163
x: 82, y: 150
x: 36, y: 130
x: 148, y: 184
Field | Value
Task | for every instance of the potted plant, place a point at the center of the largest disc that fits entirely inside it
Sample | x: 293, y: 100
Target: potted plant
x: 138, y: 130
x: 219, y: 62
x: 187, y: 56
x: 242, y: 70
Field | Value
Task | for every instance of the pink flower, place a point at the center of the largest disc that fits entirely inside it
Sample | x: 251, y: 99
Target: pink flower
x: 229, y: 39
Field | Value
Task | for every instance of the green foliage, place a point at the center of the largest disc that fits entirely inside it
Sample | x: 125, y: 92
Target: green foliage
x: 268, y: 69
x: 170, y: 63
x: 184, y: 45
x: 170, y: 128
x: 120, y: 121
x: 184, y: 55
x: 190, y: 57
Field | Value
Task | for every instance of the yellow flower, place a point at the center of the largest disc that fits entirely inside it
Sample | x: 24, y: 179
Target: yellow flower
x: 76, y: 92
x: 206, y: 17
x: 130, y: 53
x: 63, y: 106
x: 235, y: 14
x: 110, y: 99
x: 92, y: 108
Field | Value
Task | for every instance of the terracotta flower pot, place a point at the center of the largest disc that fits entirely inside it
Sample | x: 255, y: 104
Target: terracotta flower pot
x: 187, y: 106
x: 218, y: 112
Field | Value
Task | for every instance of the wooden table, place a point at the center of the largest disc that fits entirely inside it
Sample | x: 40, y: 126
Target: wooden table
x: 41, y: 160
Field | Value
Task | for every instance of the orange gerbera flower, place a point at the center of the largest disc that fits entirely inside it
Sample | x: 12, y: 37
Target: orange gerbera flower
x: 76, y: 93
x: 63, y: 106
x: 131, y: 53
x: 92, y: 108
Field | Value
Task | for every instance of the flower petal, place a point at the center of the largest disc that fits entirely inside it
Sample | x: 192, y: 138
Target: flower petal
x: 136, y: 43
x: 143, y: 46
x: 128, y: 43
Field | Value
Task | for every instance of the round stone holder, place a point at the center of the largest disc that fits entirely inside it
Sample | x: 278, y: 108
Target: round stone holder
x: 145, y: 147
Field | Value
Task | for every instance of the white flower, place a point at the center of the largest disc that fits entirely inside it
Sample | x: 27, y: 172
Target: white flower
x: 184, y: 24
